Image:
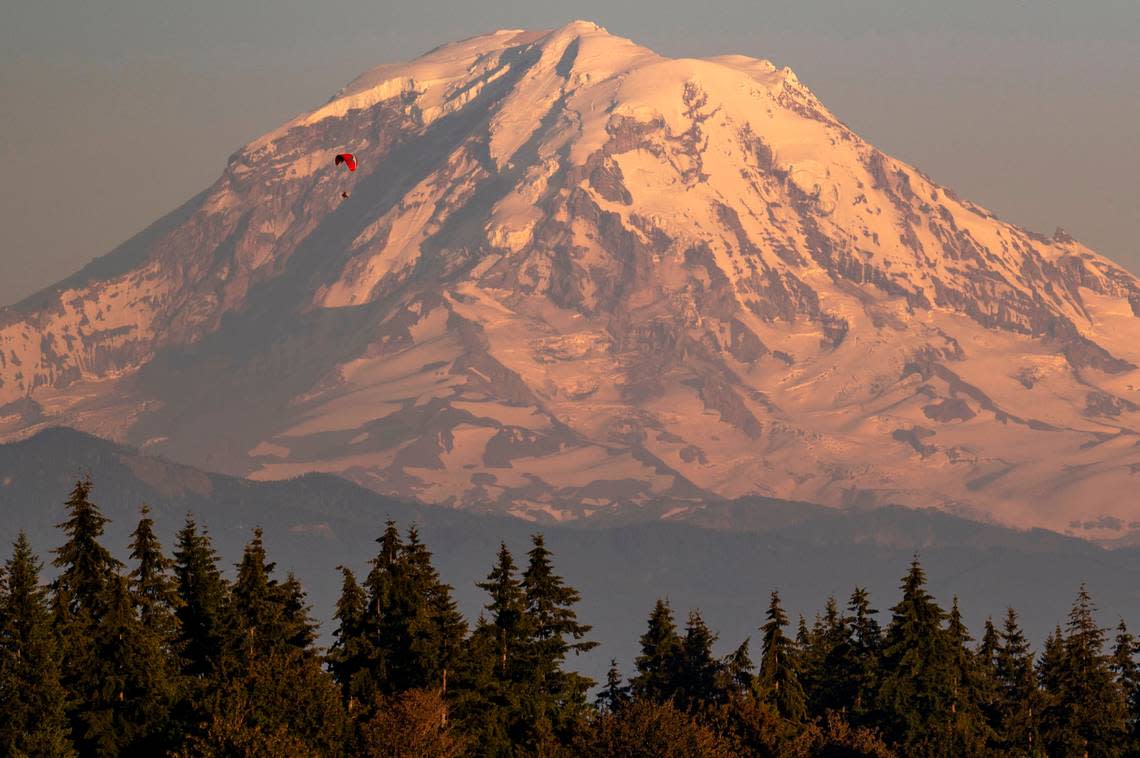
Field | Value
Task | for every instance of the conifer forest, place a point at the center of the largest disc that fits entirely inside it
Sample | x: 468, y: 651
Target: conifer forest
x: 170, y: 652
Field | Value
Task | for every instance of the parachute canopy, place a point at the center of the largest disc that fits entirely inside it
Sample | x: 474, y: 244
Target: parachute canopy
x: 347, y: 159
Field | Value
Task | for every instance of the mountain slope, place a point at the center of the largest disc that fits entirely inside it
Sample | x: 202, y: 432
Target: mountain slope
x: 575, y: 278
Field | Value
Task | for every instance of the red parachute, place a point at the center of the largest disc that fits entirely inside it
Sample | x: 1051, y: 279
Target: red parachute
x: 347, y: 159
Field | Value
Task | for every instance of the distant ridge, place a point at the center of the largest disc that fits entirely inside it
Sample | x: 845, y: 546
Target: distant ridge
x: 316, y: 522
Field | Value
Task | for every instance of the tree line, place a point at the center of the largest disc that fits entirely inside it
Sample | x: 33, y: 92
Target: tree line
x: 166, y: 656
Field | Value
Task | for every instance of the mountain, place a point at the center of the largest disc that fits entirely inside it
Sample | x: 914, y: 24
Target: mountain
x: 316, y: 522
x: 574, y: 278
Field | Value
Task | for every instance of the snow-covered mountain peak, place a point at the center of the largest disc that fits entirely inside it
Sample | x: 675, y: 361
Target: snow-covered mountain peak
x: 571, y: 276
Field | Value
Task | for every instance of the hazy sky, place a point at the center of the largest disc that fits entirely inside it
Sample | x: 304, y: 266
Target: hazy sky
x: 114, y: 112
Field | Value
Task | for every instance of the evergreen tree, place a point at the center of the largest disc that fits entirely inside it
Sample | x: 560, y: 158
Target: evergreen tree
x: 698, y: 672
x: 512, y: 625
x: 657, y: 663
x: 416, y: 628
x: 129, y: 687
x: 203, y: 598
x: 32, y: 700
x: 390, y: 615
x: 300, y: 631
x: 283, y: 704
x: 205, y: 632
x: 555, y: 631
x: 1087, y: 714
x: 916, y: 691
x: 615, y: 694
x: 86, y: 567
x: 1050, y: 674
x: 1018, y: 699
x: 351, y: 650
x: 969, y: 689
x: 737, y: 668
x: 778, y: 682
x: 381, y: 583
x: 444, y: 646
x: 866, y: 641
x: 1128, y: 678
x: 513, y: 707
x: 550, y: 604
x: 988, y: 647
x: 151, y: 584
x: 257, y: 606
x: 988, y: 693
x: 803, y: 634
x: 272, y: 683
x: 80, y: 591
x: 410, y: 635
x: 481, y: 701
x: 436, y: 627
x: 829, y: 669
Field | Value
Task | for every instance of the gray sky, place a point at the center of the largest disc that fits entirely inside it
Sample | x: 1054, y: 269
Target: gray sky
x: 114, y: 112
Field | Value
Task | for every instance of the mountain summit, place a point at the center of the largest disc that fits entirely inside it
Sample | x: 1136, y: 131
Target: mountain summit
x: 573, y: 276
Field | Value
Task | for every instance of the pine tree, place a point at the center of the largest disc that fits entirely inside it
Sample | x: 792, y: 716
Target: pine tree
x: 737, y: 668
x: 351, y: 651
x: 411, y: 629
x: 550, y: 604
x: 32, y: 699
x: 80, y: 591
x: 384, y: 575
x: 151, y: 584
x: 437, y: 627
x: 656, y: 665
x: 507, y: 608
x: 203, y: 611
x: 130, y: 690
x: 698, y: 672
x: 444, y: 648
x: 300, y: 630
x: 1018, y: 699
x: 86, y: 566
x: 866, y: 641
x: 989, y: 696
x: 555, y: 631
x: 281, y: 705
x: 828, y: 668
x: 916, y: 690
x: 988, y: 647
x: 387, y: 619
x: 778, y: 683
x: 1128, y: 678
x: 481, y: 701
x: 1088, y: 713
x: 1050, y: 675
x: 257, y: 605
x: 803, y: 634
x: 970, y: 689
x: 272, y: 683
x: 615, y: 694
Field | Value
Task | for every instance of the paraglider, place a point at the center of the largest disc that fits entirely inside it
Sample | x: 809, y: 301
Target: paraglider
x: 349, y: 160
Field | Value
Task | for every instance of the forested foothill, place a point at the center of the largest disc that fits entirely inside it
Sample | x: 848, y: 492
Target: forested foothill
x: 172, y: 653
